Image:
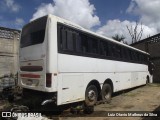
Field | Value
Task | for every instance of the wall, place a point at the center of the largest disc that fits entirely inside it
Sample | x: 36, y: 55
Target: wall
x: 9, y: 45
x: 152, y: 46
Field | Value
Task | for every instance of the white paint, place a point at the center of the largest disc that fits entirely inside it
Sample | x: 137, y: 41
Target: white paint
x: 75, y: 72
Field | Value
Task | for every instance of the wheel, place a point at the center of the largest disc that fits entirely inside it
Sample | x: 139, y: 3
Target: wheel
x: 106, y: 93
x: 91, y: 95
x: 147, y: 81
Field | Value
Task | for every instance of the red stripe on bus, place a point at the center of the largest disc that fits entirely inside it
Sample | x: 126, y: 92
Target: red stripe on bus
x: 30, y: 75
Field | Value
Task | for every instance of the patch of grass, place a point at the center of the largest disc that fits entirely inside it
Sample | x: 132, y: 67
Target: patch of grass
x: 132, y: 94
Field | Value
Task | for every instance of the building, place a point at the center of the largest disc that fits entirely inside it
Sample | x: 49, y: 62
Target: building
x: 152, y: 46
x: 9, y: 46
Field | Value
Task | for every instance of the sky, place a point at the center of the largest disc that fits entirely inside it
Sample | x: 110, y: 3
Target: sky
x: 106, y: 17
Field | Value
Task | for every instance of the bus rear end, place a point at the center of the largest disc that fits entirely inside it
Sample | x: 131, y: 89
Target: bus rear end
x: 33, y: 75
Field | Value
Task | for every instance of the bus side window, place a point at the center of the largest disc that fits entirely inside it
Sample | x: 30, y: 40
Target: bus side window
x: 133, y: 56
x: 110, y: 49
x: 78, y: 43
x: 117, y: 51
x: 94, y: 46
x: 64, y: 39
x: 69, y: 40
x: 60, y: 37
x: 142, y: 58
x: 130, y: 55
x: 113, y: 50
x: 126, y: 54
x: 74, y: 37
x: 85, y: 45
x: 102, y: 48
x: 122, y: 53
x: 145, y: 59
x: 138, y: 58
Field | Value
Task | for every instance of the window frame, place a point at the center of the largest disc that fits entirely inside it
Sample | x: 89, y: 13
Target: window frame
x: 111, y: 47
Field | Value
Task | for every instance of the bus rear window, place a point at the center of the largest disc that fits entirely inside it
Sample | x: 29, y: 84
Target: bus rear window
x: 34, y: 32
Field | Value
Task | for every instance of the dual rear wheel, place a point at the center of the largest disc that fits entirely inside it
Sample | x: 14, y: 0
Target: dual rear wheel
x: 91, y: 95
x: 106, y: 93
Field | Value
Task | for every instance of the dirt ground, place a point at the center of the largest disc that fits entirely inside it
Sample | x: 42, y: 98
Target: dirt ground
x: 144, y: 98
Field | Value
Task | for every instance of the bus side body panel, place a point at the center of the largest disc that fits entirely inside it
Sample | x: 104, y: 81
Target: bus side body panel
x: 76, y: 72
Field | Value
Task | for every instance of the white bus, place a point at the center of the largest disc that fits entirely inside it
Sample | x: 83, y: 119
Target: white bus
x: 64, y: 63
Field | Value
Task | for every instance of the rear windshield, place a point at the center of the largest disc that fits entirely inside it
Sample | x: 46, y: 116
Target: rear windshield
x: 34, y: 32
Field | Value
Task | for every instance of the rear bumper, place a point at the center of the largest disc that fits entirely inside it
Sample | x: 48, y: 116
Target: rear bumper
x: 38, y: 97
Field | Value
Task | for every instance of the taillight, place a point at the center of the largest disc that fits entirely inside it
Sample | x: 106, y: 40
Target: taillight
x: 48, y: 79
x: 30, y: 75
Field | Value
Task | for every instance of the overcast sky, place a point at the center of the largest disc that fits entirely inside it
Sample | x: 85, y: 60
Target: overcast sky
x: 106, y: 17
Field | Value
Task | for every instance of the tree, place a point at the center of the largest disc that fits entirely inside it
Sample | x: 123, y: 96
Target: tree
x: 125, y: 42
x: 134, y: 33
x: 118, y: 38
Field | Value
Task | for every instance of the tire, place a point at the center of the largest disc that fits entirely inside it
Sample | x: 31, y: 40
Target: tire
x: 106, y: 93
x: 91, y: 96
x: 147, y: 80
